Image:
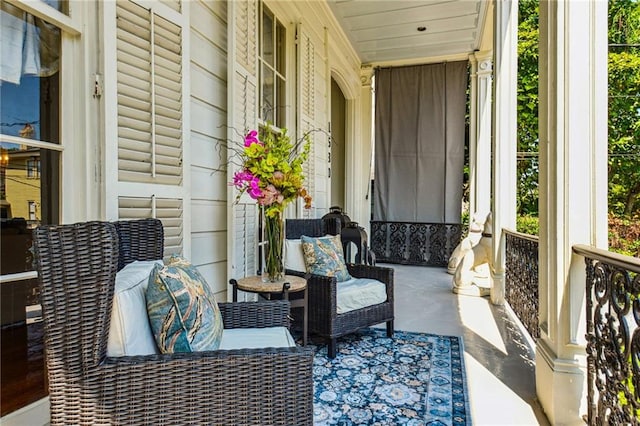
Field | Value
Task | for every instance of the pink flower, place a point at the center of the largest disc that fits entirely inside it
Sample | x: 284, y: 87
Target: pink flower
x: 240, y: 179
x: 254, y: 188
x: 270, y: 195
x: 251, y: 138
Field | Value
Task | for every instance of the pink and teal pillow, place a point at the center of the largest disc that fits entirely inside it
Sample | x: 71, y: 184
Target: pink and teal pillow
x: 182, y: 309
x: 323, y: 256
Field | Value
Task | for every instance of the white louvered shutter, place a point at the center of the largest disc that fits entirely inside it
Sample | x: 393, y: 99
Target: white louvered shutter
x: 243, y: 116
x: 168, y: 210
x: 149, y: 97
x: 149, y: 46
x: 313, y: 89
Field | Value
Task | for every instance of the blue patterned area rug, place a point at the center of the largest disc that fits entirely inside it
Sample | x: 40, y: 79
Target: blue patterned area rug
x: 411, y: 379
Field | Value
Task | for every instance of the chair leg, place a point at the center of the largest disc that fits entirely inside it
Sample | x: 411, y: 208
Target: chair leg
x: 331, y: 350
x: 390, y: 328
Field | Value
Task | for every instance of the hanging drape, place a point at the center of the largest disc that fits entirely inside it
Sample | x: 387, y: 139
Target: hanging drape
x: 31, y: 46
x: 419, y: 147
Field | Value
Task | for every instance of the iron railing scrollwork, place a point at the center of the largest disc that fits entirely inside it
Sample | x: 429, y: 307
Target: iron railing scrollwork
x: 412, y: 243
x: 521, y: 280
x: 613, y: 337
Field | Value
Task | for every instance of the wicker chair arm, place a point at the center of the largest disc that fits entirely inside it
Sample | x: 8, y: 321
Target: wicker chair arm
x: 255, y: 314
x: 323, y: 294
x: 322, y: 291
x: 379, y: 273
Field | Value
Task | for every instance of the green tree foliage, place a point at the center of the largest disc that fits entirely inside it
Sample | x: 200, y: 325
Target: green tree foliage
x: 624, y: 107
x: 527, y: 123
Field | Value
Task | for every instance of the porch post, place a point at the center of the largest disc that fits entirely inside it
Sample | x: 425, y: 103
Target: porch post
x: 360, y: 210
x: 573, y: 193
x: 504, y: 142
x: 480, y: 133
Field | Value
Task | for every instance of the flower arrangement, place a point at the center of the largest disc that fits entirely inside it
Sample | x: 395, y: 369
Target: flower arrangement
x: 272, y: 175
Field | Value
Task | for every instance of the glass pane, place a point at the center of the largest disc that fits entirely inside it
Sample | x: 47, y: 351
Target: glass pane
x: 29, y: 83
x: 59, y: 5
x: 280, y: 48
x: 281, y: 111
x: 29, y: 196
x: 267, y: 94
x: 267, y: 37
x: 29, y: 189
x: 22, y: 361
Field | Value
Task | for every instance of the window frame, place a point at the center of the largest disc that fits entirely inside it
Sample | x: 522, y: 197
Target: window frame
x: 68, y: 30
x: 278, y: 69
x: 78, y: 162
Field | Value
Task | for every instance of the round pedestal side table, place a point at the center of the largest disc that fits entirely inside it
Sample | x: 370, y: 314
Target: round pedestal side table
x: 268, y: 290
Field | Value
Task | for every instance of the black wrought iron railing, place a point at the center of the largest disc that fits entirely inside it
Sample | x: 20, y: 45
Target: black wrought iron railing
x: 521, y: 278
x: 613, y: 337
x: 411, y: 243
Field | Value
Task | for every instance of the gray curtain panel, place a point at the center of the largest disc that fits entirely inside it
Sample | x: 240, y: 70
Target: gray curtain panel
x: 419, y: 149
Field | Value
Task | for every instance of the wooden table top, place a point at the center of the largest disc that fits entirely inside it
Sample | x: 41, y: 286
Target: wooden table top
x: 256, y: 285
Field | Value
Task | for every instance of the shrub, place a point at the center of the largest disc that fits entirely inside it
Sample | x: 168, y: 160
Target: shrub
x: 624, y: 235
x: 527, y: 224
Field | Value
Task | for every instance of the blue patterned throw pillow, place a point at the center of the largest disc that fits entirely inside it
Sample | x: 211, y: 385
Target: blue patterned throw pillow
x: 183, y: 312
x: 323, y: 256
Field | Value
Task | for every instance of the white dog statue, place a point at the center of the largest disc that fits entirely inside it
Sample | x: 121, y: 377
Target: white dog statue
x: 474, y: 264
x: 471, y: 240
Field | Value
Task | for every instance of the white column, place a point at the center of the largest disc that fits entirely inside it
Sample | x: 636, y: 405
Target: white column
x: 480, y: 133
x: 573, y: 192
x: 504, y: 143
x: 473, y: 128
x: 358, y: 203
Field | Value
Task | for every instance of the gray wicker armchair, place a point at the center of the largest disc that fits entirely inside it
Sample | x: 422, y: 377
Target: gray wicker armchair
x: 77, y: 265
x: 322, y: 306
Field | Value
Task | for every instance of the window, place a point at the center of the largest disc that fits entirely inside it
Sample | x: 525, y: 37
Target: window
x: 33, y: 168
x: 30, y: 152
x: 32, y: 210
x: 272, y: 60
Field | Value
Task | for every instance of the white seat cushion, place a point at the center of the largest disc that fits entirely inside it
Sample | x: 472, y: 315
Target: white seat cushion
x: 130, y: 332
x: 255, y: 338
x: 358, y: 293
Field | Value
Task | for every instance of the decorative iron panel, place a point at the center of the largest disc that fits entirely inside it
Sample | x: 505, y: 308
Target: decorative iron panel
x: 411, y: 243
x: 613, y: 344
x: 521, y: 279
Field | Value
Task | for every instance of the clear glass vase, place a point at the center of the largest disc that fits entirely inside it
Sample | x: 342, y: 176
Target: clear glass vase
x: 272, y: 247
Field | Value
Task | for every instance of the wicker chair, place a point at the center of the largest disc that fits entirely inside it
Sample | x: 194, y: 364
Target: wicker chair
x: 323, y: 317
x: 77, y: 265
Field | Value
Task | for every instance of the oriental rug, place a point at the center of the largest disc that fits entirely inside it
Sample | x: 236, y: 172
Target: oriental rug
x: 410, y: 379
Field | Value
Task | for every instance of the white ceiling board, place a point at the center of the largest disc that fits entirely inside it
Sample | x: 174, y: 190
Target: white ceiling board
x: 387, y: 30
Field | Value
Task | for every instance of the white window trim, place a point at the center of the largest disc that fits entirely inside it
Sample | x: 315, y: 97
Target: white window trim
x: 43, y: 11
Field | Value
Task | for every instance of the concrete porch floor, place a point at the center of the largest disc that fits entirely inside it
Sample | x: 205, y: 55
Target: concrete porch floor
x: 499, y: 360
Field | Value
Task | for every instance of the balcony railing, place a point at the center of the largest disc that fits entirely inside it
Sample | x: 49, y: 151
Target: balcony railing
x: 613, y: 337
x: 413, y: 243
x: 521, y: 286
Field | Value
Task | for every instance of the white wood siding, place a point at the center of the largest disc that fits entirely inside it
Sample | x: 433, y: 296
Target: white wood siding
x: 208, y: 55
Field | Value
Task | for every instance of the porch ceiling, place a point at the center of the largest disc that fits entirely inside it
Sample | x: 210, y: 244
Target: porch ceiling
x: 387, y: 31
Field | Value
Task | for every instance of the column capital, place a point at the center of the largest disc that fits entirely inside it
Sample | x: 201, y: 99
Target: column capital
x: 485, y: 62
x: 366, y: 75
